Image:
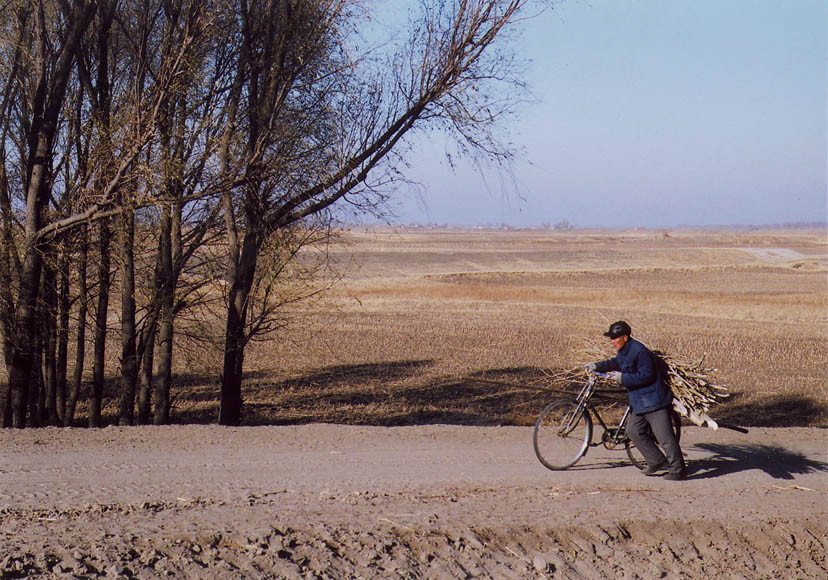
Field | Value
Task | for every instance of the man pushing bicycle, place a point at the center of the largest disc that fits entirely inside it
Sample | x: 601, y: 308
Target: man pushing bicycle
x: 649, y: 426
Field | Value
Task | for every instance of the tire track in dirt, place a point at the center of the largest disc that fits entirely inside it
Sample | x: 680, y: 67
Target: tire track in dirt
x: 326, y: 501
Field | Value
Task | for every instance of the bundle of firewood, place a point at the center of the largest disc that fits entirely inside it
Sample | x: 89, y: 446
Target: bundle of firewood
x: 695, y: 387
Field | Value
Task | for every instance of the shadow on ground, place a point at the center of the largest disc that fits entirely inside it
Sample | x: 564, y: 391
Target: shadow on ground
x: 390, y: 394
x: 396, y: 394
x: 776, y: 461
x: 410, y: 392
x: 775, y: 411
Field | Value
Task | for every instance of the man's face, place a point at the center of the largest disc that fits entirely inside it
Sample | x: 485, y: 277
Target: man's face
x: 618, y: 343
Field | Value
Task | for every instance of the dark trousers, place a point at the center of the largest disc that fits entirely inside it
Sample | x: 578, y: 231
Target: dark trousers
x: 656, y: 426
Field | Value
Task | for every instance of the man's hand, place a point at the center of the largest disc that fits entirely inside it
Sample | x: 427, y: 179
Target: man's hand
x: 591, y: 367
x: 614, y: 376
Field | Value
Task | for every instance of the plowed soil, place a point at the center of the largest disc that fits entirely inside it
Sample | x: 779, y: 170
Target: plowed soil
x: 325, y: 501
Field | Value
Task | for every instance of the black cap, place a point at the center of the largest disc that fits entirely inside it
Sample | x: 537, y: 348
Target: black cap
x: 617, y: 329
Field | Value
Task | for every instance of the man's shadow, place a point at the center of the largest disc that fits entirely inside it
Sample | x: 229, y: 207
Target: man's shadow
x: 776, y: 461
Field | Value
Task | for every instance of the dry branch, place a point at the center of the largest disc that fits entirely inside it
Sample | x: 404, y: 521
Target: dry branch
x: 695, y: 389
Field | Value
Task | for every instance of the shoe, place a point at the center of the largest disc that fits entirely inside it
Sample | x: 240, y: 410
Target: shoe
x: 675, y: 476
x: 654, y: 469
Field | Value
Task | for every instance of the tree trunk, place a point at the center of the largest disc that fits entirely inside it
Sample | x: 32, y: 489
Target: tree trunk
x: 235, y: 335
x: 170, y: 261
x: 99, y: 368
x: 146, y: 352
x: 35, y: 390
x: 49, y: 333
x: 147, y: 362
x: 63, y: 306
x: 231, y: 378
x: 37, y: 395
x: 23, y: 355
x: 80, y: 343
x: 163, y: 380
x: 129, y: 355
x: 7, y: 250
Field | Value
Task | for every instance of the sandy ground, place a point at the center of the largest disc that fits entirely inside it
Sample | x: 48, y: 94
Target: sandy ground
x: 325, y: 501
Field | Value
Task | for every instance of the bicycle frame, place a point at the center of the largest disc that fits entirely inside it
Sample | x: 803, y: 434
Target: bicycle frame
x: 612, y: 435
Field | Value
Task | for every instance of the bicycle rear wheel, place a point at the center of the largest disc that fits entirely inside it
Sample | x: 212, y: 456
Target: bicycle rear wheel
x: 562, y: 434
x: 635, y: 455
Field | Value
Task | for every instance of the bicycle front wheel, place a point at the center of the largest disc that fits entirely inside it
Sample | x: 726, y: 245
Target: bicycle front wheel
x: 562, y: 434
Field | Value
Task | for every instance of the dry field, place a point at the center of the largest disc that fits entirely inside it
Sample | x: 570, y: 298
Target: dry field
x: 464, y: 326
x: 421, y: 312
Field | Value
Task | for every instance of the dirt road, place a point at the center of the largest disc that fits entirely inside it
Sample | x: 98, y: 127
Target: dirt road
x: 324, y: 501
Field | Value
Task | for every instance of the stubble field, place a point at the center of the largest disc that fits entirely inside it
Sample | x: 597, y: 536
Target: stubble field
x: 420, y: 312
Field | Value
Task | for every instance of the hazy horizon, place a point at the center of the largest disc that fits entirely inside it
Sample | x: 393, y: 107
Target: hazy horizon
x: 653, y: 114
x: 804, y: 226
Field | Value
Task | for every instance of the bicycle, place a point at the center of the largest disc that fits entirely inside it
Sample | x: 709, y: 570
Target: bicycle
x: 563, y: 431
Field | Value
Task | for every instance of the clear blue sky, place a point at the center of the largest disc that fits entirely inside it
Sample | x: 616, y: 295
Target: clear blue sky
x: 655, y: 113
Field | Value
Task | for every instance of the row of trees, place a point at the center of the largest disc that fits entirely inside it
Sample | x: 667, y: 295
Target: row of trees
x: 155, y: 131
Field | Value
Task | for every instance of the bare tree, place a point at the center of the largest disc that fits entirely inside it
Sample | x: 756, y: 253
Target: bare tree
x: 51, y: 70
x: 321, y: 126
x: 189, y: 131
x: 52, y: 45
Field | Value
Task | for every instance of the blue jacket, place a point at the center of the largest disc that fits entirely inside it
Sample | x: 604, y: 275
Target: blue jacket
x: 646, y: 390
